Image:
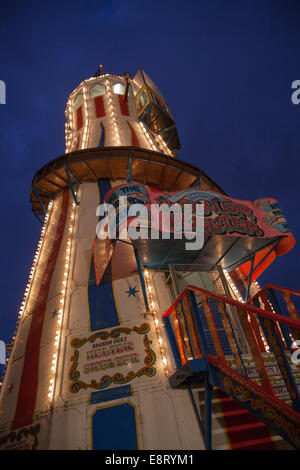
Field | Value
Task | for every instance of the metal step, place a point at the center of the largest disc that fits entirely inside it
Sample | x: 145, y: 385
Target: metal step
x: 242, y: 421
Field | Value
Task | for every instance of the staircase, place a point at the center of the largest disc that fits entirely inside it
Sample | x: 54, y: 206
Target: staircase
x: 235, y: 428
x: 248, y: 401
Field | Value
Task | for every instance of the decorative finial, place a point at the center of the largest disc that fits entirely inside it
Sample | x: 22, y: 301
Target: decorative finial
x: 99, y: 71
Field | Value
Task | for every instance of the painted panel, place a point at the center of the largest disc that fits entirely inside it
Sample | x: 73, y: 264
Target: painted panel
x: 114, y: 427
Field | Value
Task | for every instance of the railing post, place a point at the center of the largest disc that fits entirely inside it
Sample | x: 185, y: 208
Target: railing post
x: 277, y: 349
x: 182, y: 321
x: 172, y: 342
x: 286, y: 331
x: 212, y: 327
x: 254, y: 349
x: 185, y: 307
x: 290, y: 306
x: 255, y: 327
x: 180, y: 340
x: 208, y: 412
x: 232, y: 339
x: 267, y: 306
x: 200, y: 334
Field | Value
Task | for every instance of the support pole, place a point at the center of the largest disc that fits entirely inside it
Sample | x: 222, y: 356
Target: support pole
x: 141, y: 276
x: 68, y: 173
x: 266, y: 255
x: 208, y: 411
x: 202, y: 430
x: 37, y: 216
x: 250, y: 279
x: 39, y: 199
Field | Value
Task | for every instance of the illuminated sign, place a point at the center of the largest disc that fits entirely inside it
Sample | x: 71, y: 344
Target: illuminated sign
x: 111, y: 357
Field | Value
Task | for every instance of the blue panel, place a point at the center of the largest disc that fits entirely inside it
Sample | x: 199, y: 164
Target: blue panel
x: 112, y: 394
x: 102, y: 305
x: 102, y: 138
x: 114, y: 428
x: 101, y: 300
x: 104, y: 186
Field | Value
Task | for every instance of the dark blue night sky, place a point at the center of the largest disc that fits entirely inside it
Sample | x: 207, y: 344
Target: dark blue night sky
x: 225, y: 69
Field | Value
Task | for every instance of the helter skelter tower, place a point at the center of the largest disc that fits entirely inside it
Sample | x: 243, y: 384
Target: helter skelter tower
x: 92, y: 356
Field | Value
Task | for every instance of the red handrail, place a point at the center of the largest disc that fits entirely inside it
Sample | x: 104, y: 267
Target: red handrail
x: 273, y: 286
x: 267, y: 330
x: 241, y: 305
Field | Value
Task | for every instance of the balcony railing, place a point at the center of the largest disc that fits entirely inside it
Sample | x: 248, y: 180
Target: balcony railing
x: 203, y: 337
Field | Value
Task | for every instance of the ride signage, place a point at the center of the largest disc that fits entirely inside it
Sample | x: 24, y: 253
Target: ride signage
x: 221, y: 215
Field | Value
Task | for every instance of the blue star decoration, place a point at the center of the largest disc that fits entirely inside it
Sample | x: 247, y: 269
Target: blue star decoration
x: 132, y: 291
x: 54, y: 313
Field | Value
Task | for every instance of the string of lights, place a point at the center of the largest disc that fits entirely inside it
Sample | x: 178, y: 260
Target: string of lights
x: 112, y: 112
x: 148, y: 137
x: 153, y: 310
x: 69, y: 127
x: 62, y: 301
x: 240, y: 299
x: 31, y: 277
x: 86, y: 119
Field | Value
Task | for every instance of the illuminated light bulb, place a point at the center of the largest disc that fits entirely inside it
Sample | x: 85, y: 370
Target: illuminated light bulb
x: 152, y: 304
x: 156, y: 321
x: 149, y: 288
x: 160, y: 340
x: 164, y: 361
